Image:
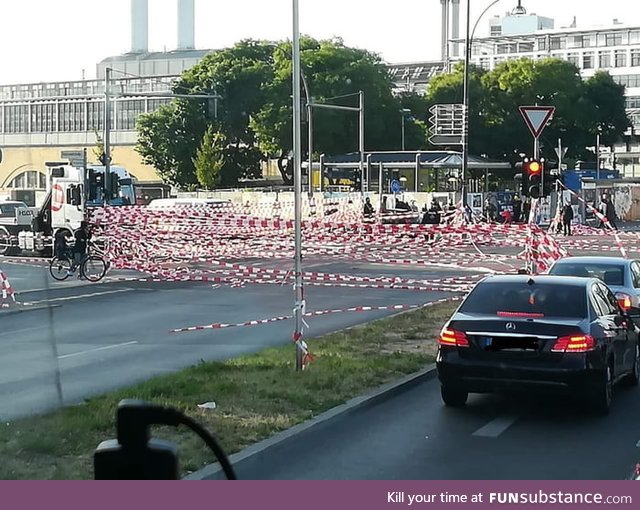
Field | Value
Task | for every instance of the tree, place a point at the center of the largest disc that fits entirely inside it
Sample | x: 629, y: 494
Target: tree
x: 99, y: 150
x: 165, y: 142
x: 607, y: 101
x: 496, y: 126
x: 210, y: 158
x: 170, y: 137
x: 255, y: 114
x: 335, y: 73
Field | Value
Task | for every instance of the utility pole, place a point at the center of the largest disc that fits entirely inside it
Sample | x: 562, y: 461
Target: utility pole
x: 310, y: 164
x: 361, y: 110
x: 598, y: 156
x: 107, y: 136
x: 465, y: 95
x: 297, y: 181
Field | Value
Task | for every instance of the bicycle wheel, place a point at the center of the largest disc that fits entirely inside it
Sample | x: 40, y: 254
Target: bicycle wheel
x: 60, y: 268
x: 93, y: 268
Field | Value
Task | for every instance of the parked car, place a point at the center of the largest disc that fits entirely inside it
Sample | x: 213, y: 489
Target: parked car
x: 558, y: 334
x: 621, y: 275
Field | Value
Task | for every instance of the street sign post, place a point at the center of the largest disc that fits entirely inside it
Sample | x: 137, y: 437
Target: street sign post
x: 536, y: 118
x: 447, y: 124
x: 395, y: 186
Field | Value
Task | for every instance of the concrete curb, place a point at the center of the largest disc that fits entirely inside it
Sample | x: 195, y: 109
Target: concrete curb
x: 26, y: 309
x: 254, y: 452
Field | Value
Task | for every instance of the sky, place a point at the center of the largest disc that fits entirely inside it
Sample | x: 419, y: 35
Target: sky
x: 47, y: 40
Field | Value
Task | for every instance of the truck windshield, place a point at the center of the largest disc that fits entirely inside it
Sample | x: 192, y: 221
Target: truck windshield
x: 9, y: 210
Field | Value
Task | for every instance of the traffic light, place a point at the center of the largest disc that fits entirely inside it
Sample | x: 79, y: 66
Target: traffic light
x: 522, y: 178
x: 549, y: 180
x: 534, y: 171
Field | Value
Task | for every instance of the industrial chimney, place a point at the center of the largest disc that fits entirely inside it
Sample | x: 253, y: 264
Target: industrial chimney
x: 455, y: 25
x: 445, y: 30
x: 139, y: 26
x: 186, y: 24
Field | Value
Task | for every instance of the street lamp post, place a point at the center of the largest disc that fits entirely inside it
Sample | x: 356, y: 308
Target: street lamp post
x: 465, y: 94
x: 297, y: 181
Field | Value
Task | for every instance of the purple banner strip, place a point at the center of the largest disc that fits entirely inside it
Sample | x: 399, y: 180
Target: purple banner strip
x: 322, y: 495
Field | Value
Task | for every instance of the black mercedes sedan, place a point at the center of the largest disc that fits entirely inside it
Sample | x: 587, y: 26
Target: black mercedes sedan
x: 558, y: 334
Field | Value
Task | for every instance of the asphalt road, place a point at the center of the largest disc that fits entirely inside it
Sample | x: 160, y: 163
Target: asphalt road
x: 412, y: 436
x: 100, y: 337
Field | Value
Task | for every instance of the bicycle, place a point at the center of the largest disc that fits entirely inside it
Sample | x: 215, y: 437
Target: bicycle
x: 92, y: 266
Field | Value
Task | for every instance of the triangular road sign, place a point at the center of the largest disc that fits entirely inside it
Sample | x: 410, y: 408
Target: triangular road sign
x: 537, y: 117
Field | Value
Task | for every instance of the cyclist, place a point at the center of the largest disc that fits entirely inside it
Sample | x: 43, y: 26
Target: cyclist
x: 82, y: 237
x: 60, y: 246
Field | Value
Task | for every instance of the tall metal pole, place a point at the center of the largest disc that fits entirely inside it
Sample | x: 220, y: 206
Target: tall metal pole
x: 107, y: 135
x: 380, y: 183
x: 310, y: 164
x: 403, y: 132
x: 361, y: 111
x: 297, y: 167
x: 598, y: 156
x: 465, y: 95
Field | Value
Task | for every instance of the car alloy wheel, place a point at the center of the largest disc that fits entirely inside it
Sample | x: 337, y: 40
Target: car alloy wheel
x: 634, y: 376
x: 604, y: 393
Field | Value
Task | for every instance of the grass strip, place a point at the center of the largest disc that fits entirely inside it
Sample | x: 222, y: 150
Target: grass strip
x: 256, y: 396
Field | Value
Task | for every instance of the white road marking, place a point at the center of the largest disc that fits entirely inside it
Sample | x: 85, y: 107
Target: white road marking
x: 496, y: 427
x: 638, y: 444
x: 81, y: 296
x: 22, y: 330
x: 96, y: 350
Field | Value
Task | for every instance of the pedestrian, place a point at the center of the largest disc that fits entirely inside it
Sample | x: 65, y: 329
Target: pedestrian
x: 82, y: 237
x: 383, y: 205
x: 368, y: 208
x: 517, y: 209
x: 468, y: 214
x: 610, y: 213
x: 567, y: 217
x: 60, y: 246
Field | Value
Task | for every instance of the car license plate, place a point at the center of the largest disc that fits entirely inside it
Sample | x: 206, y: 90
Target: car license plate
x: 486, y: 342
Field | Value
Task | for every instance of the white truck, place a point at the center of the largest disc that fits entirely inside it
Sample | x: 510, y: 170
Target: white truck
x: 73, y: 191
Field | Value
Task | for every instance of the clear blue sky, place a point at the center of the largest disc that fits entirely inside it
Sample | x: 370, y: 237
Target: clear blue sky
x: 44, y: 40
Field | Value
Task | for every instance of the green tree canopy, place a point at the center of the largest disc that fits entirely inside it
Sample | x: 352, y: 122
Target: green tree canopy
x: 255, y: 112
x: 496, y: 126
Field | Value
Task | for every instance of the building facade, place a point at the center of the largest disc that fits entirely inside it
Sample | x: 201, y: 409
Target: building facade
x: 615, y: 49
x: 39, y: 121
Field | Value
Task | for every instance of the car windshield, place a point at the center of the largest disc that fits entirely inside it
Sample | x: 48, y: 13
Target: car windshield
x: 513, y: 299
x: 610, y: 274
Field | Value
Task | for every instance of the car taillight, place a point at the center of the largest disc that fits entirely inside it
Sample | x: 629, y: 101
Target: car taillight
x: 574, y: 343
x: 453, y: 337
x: 624, y: 300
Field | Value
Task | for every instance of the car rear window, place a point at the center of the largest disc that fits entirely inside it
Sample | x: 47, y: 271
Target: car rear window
x: 511, y: 299
x: 610, y: 274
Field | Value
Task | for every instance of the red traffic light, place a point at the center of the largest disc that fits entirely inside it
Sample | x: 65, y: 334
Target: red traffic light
x: 534, y: 168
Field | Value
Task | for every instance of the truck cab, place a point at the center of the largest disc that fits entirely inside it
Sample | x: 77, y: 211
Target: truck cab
x: 72, y: 193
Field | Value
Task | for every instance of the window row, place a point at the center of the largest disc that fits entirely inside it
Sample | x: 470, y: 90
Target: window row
x: 31, y: 179
x: 73, y: 117
x: 628, y: 80
x: 592, y: 40
x: 83, y: 88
